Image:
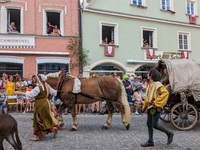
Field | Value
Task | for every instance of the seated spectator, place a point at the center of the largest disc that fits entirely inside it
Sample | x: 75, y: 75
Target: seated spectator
x: 127, y: 86
x: 144, y: 92
x: 144, y: 82
x: 20, y: 86
x: 56, y: 30
x: 12, y: 28
x: 3, y: 100
x: 49, y: 27
x: 105, y: 41
x: 135, y: 83
x: 28, y: 102
x: 20, y: 100
x: 80, y: 106
x: 137, y: 98
x: 56, y: 102
x: 139, y: 79
x: 112, y: 43
x: 103, y: 108
x: 97, y: 106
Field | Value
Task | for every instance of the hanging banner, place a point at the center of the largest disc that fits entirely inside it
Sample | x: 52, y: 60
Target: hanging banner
x: 185, y: 55
x: 110, y: 51
x: 150, y: 53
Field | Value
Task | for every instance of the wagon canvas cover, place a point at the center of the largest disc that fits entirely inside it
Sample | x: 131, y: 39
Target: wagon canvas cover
x: 184, y: 74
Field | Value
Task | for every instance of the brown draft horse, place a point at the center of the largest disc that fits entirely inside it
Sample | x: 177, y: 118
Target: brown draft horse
x: 8, y: 127
x: 112, y: 88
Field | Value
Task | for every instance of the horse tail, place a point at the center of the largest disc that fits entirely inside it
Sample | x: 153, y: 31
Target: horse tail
x: 17, y: 137
x: 124, y: 101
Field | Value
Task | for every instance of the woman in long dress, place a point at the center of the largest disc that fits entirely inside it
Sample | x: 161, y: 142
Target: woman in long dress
x: 43, y: 122
x: 10, y: 89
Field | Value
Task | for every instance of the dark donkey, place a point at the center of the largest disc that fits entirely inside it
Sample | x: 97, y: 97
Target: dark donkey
x: 8, y: 126
x: 107, y: 88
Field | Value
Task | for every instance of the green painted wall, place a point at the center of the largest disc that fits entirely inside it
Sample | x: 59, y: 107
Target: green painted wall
x: 129, y: 31
x: 152, y: 10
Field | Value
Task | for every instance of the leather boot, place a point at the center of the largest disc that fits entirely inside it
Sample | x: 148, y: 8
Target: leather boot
x: 55, y: 130
x: 147, y: 144
x: 170, y: 138
x: 43, y: 134
x: 35, y: 138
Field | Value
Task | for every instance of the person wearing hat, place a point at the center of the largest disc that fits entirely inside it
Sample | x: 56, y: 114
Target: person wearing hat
x: 156, y: 98
x: 137, y: 98
x: 127, y: 86
x: 3, y: 100
x: 144, y: 92
x: 16, y: 77
x: 135, y: 83
x: 43, y: 122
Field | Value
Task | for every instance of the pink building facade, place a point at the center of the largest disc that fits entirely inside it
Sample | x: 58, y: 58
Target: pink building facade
x: 33, y: 50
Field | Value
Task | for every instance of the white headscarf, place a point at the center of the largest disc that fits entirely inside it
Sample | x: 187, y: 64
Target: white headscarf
x: 41, y: 78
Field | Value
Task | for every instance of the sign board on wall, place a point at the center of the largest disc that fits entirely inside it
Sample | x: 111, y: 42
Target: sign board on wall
x: 17, y: 41
x: 164, y: 55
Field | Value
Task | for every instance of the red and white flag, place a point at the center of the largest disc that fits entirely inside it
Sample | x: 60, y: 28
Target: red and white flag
x: 185, y: 55
x: 110, y: 50
x: 150, y: 53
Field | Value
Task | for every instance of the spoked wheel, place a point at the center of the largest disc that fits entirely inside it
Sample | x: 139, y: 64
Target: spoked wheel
x: 165, y: 114
x: 186, y: 119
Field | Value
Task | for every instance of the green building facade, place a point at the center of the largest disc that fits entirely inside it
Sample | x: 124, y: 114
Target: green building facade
x: 169, y: 29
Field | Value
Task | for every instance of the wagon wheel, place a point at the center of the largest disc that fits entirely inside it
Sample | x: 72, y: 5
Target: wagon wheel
x: 165, y: 114
x: 185, y: 119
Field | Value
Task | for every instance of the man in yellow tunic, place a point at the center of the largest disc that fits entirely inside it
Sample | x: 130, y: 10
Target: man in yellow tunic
x: 43, y: 122
x: 157, y: 97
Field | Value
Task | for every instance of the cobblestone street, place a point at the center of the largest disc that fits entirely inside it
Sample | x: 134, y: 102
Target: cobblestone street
x: 90, y: 135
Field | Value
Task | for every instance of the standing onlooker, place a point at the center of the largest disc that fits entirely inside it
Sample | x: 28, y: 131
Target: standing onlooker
x: 10, y: 89
x: 157, y: 96
x: 135, y: 83
x: 127, y: 86
x: 3, y: 100
x: 115, y: 75
x: 4, y: 81
x: 80, y: 106
x: 137, y: 98
x: 25, y: 80
x: 45, y: 73
x: 16, y: 78
x: 97, y: 106
x: 28, y: 102
x: 49, y: 27
x: 20, y: 86
x: 139, y: 79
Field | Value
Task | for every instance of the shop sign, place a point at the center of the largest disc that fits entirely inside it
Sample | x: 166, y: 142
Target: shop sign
x: 164, y: 55
x: 110, y: 50
x: 17, y: 41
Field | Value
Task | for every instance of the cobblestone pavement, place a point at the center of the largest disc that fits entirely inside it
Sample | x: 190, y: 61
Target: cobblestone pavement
x: 90, y: 135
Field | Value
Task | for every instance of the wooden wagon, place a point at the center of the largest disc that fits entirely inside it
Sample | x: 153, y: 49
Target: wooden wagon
x: 183, y: 106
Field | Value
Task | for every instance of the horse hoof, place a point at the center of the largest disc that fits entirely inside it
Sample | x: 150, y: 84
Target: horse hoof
x: 128, y: 126
x: 72, y: 129
x: 61, y: 125
x: 104, y: 128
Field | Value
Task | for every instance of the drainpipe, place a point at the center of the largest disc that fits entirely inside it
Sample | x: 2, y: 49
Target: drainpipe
x: 80, y: 30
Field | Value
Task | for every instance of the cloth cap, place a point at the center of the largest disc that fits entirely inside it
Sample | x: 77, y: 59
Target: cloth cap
x: 144, y: 87
x: 135, y: 77
x: 17, y: 74
x: 43, y: 77
x: 138, y: 88
x: 125, y: 76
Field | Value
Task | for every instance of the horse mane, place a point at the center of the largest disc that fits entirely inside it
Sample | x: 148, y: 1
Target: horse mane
x: 53, y: 75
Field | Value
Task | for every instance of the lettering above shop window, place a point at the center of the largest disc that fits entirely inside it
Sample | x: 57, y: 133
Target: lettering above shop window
x: 17, y: 41
x: 110, y: 51
x: 163, y: 55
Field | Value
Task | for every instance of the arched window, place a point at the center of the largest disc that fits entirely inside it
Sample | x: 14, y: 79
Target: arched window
x: 143, y: 70
x: 106, y: 70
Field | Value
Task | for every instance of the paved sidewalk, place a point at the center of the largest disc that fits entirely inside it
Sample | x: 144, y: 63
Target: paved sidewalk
x: 90, y: 135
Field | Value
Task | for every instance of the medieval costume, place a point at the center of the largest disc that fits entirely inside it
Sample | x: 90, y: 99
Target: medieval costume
x: 43, y: 122
x: 157, y: 97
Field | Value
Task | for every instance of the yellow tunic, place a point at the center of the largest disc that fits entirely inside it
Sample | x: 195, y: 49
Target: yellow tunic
x: 9, y: 91
x: 159, y: 93
x: 43, y: 111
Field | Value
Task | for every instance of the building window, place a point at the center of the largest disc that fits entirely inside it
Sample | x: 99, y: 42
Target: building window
x: 149, y: 37
x: 11, y: 68
x: 137, y: 2
x: 166, y: 5
x: 13, y: 20
x: 143, y: 70
x: 183, y: 41
x: 53, y: 18
x: 108, y: 33
x: 190, y: 8
x: 52, y: 68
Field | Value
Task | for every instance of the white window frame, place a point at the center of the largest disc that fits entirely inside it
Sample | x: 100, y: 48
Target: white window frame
x: 154, y: 36
x: 45, y: 20
x: 4, y: 14
x: 188, y: 38
x: 171, y: 5
x: 115, y: 25
x: 143, y: 3
x: 195, y: 6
